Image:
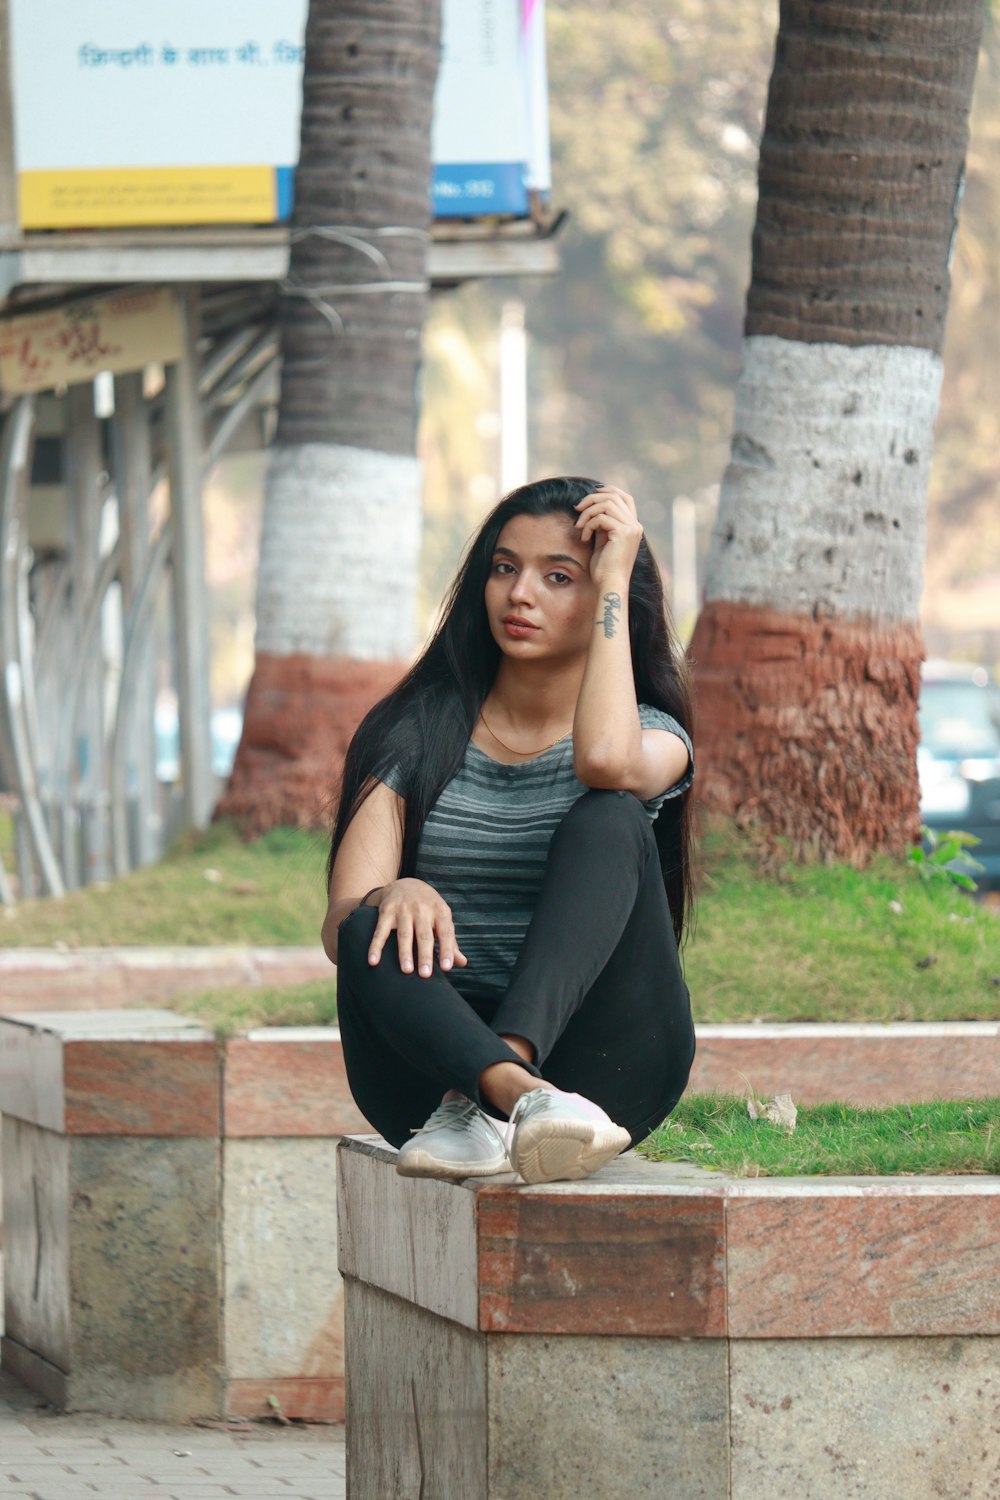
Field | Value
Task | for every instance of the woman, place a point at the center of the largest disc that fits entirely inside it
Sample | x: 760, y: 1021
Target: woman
x: 504, y: 912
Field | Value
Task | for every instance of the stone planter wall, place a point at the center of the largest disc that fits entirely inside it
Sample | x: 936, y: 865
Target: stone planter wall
x: 169, y: 1215
x: 169, y: 1200
x: 657, y: 1330
x: 95, y: 978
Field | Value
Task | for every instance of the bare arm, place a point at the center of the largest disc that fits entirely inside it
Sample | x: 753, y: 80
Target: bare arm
x: 610, y: 747
x: 368, y: 856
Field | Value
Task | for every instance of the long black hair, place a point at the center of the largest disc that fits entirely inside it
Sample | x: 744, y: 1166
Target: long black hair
x: 424, y: 725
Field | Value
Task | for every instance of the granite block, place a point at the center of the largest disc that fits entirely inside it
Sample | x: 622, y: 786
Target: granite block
x: 36, y: 1192
x: 283, y: 1292
x: 289, y: 1082
x: 147, y: 1088
x: 860, y: 1063
x: 577, y: 1263
x: 872, y: 1419
x: 145, y: 1293
x: 89, y: 978
x: 413, y: 1236
x: 619, y: 1418
x: 863, y: 1263
x: 416, y: 1402
x: 31, y: 1075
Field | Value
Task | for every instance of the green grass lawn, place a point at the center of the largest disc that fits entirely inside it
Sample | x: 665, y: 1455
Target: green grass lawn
x: 826, y: 943
x: 716, y: 1131
x: 209, y: 888
x: 773, y: 941
x: 230, y: 1010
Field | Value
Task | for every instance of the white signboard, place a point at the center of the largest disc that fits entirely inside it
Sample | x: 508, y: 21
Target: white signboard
x: 131, y: 112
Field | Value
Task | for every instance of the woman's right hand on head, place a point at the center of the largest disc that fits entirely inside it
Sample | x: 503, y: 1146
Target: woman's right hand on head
x: 419, y: 916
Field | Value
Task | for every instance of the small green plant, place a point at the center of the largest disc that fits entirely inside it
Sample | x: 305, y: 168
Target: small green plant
x: 946, y: 858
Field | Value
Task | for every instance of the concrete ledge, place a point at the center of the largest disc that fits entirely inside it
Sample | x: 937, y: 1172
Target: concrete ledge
x: 862, y: 1063
x: 117, y: 1122
x: 660, y: 1325
x: 169, y: 1203
x: 89, y: 978
x: 857, y: 1062
x: 154, y: 1072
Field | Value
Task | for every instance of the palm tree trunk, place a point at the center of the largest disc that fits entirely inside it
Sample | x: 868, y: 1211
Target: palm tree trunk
x: 807, y: 651
x: 340, y: 543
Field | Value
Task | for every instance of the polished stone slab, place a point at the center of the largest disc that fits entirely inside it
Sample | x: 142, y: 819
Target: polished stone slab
x: 412, y: 1236
x: 667, y: 1249
x: 616, y: 1417
x: 869, y: 1419
x: 884, y: 1263
x: 856, y: 1062
x: 283, y: 1294
x: 158, y: 1266
x: 575, y: 1263
x: 111, y: 1277
x: 95, y: 978
x: 416, y: 1402
x: 288, y: 1081
x: 658, y: 1329
x: 120, y: 1072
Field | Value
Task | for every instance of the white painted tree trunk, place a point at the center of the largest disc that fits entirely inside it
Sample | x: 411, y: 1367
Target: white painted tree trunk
x: 822, y: 508
x: 340, y: 553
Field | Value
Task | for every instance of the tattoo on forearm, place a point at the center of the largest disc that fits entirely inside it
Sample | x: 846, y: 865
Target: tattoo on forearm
x: 612, y: 609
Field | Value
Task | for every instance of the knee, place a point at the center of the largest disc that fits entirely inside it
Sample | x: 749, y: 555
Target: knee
x: 354, y: 937
x: 607, y: 813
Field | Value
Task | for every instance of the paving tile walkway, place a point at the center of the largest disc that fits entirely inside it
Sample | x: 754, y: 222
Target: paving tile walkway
x: 47, y: 1455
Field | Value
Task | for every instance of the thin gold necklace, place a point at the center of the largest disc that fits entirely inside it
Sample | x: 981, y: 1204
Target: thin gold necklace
x: 540, y: 751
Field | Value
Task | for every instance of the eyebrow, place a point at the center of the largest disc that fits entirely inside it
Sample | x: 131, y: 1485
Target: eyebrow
x: 554, y: 557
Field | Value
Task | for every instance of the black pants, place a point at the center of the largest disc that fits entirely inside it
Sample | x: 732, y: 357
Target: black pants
x: 597, y: 989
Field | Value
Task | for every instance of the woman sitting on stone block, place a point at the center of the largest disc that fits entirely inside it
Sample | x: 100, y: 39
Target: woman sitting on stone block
x: 515, y: 810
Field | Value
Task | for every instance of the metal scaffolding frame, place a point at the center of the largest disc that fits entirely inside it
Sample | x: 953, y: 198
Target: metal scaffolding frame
x: 76, y: 730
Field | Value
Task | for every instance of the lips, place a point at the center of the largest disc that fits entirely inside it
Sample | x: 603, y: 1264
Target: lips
x: 516, y: 620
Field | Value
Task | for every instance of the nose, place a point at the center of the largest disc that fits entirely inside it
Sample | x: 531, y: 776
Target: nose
x: 520, y: 589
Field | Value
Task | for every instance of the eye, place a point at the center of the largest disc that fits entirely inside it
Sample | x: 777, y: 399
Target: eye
x: 561, y: 578
x: 498, y: 567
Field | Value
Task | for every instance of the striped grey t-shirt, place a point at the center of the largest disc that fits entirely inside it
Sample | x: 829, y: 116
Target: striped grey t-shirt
x: 484, y: 845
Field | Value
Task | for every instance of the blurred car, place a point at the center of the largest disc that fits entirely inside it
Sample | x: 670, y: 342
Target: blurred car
x: 958, y: 758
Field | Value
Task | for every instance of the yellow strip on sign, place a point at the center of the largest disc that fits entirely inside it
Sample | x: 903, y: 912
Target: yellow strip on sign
x: 101, y: 197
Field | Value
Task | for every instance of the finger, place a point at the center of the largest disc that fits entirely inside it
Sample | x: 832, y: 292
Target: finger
x: 446, y: 941
x: 600, y: 522
x: 383, y: 927
x: 425, y: 946
x: 450, y: 954
x: 404, y: 939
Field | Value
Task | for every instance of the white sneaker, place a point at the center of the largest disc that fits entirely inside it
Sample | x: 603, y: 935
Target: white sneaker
x: 558, y: 1137
x: 457, y: 1140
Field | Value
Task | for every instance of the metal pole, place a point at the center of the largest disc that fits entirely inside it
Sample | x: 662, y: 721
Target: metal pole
x: 15, y: 746
x: 685, y: 560
x: 83, y: 493
x: 513, y: 397
x: 184, y: 445
x: 133, y: 473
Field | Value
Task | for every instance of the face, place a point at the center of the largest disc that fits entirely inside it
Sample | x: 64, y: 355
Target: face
x: 539, y: 596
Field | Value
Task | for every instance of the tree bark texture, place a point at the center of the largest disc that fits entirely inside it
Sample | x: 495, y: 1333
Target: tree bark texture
x: 861, y: 168
x: 300, y: 714
x: 364, y: 165
x: 818, y: 728
x: 807, y: 651
x: 340, y: 544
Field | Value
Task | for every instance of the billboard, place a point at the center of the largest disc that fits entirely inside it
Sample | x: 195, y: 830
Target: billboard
x: 73, y: 342
x: 182, y: 112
